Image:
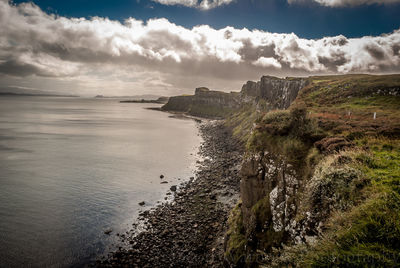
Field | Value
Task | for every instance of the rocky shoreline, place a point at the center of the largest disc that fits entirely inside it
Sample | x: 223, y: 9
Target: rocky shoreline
x: 189, y: 231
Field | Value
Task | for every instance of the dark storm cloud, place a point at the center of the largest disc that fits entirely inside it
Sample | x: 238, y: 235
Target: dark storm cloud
x: 249, y: 52
x: 375, y: 51
x: 396, y: 49
x: 13, y: 67
x: 332, y: 62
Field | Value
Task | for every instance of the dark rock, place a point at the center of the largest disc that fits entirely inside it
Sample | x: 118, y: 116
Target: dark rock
x: 173, y: 188
x: 142, y: 203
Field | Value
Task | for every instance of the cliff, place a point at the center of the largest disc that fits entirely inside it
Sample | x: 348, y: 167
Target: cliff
x: 268, y: 93
x: 319, y: 182
x: 276, y: 92
x: 204, y: 103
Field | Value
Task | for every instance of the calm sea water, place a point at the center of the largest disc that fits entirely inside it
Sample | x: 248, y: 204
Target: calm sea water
x: 71, y: 168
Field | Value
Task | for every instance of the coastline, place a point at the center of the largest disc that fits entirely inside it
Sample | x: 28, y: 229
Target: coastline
x: 190, y: 229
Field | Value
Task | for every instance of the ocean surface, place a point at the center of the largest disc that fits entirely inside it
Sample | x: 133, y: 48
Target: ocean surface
x: 71, y: 168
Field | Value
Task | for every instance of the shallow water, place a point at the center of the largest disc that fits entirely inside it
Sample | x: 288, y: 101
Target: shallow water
x: 71, y: 168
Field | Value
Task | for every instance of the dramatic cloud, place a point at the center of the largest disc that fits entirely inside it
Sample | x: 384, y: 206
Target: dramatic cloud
x: 267, y: 62
x: 343, y: 3
x: 200, y: 4
x: 157, y: 55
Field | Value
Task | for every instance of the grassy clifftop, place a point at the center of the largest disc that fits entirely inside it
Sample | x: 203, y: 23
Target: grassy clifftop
x: 342, y: 136
x: 347, y: 104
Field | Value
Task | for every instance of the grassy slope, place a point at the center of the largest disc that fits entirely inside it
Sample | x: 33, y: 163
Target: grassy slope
x: 368, y: 232
x: 349, y: 102
x: 363, y: 229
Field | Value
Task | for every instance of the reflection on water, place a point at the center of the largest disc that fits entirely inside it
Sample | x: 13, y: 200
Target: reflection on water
x: 71, y: 168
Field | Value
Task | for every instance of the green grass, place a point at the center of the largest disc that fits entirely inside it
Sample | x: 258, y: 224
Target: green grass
x: 236, y: 241
x: 242, y: 121
x: 383, y: 163
x: 368, y: 234
x: 209, y: 111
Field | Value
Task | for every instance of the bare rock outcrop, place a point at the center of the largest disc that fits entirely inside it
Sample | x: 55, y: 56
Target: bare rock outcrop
x: 277, y: 92
x: 268, y: 190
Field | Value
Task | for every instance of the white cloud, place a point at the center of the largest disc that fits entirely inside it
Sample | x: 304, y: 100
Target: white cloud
x: 267, y: 62
x: 343, y: 3
x: 103, y: 54
x: 200, y: 4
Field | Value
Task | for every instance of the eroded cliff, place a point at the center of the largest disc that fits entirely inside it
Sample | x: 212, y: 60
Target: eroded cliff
x: 268, y: 93
x: 277, y: 93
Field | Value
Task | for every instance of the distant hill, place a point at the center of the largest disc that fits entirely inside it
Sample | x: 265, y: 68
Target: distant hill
x: 18, y: 91
x: 29, y: 94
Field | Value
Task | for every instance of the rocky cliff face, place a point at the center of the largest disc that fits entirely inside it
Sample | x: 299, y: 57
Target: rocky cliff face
x: 278, y: 93
x: 273, y: 92
x: 268, y: 190
x: 270, y: 177
x: 204, y: 103
x: 205, y: 97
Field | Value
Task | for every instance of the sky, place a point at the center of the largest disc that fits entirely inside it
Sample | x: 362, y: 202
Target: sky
x: 169, y: 47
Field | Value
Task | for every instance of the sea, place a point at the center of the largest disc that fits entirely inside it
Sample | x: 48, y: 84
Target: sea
x: 72, y: 168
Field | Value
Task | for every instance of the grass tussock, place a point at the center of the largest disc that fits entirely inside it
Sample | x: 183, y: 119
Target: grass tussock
x: 290, y: 133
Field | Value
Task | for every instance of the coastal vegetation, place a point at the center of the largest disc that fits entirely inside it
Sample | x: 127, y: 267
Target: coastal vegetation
x: 340, y: 138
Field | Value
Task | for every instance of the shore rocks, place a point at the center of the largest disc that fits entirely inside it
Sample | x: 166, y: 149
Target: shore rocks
x: 173, y: 188
x: 188, y: 231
